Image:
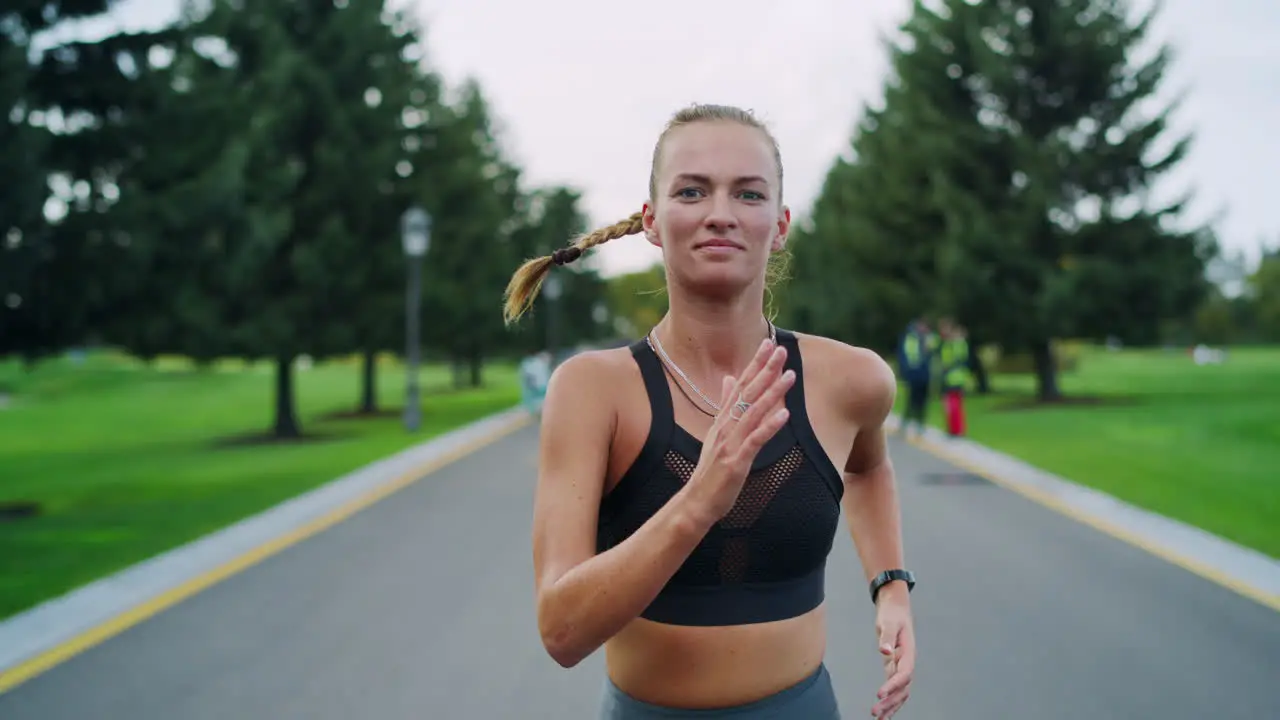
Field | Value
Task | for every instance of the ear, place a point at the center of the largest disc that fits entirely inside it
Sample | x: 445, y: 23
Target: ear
x: 650, y: 226
x: 784, y: 227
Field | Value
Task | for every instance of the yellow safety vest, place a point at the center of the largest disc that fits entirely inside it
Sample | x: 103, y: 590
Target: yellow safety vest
x: 955, y: 363
x: 913, y: 349
x: 916, y: 347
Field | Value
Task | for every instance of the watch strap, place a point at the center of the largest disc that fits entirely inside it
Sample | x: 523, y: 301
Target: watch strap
x: 889, y: 576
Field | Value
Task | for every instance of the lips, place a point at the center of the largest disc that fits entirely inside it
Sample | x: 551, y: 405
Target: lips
x: 719, y: 243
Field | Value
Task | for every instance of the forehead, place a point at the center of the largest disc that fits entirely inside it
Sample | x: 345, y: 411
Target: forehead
x: 719, y: 150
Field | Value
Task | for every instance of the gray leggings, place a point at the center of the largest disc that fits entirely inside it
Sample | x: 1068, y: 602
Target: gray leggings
x: 810, y: 699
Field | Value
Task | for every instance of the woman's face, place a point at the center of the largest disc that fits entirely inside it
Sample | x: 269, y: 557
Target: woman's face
x: 716, y: 213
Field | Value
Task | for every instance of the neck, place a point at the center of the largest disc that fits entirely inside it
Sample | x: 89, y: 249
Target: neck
x: 712, y: 338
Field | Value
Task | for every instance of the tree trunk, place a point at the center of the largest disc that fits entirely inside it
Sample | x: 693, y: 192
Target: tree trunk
x: 286, y: 424
x: 369, y: 383
x: 477, y: 366
x: 1046, y: 371
x: 459, y: 366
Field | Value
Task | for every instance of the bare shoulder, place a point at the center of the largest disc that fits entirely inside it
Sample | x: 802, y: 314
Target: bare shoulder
x: 858, y: 375
x: 589, y: 371
x: 579, y: 408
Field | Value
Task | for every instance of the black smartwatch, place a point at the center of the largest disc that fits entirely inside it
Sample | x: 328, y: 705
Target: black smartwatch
x: 889, y: 576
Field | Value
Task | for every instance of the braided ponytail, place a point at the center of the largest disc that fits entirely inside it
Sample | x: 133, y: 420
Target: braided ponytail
x: 527, y: 281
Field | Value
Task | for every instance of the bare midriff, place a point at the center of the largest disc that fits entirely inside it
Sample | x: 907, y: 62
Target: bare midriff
x: 714, y: 667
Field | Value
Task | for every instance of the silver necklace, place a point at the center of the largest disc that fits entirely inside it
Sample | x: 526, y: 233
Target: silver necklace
x: 656, y: 345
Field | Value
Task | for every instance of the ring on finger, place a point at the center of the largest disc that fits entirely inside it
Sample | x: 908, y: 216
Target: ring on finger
x: 739, y: 409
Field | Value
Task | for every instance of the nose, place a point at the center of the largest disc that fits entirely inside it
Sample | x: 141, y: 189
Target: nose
x: 720, y: 215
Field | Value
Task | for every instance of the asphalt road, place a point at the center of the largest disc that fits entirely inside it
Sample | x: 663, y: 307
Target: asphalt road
x: 421, y: 607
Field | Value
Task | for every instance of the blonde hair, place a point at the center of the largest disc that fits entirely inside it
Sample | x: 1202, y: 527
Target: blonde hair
x: 527, y: 280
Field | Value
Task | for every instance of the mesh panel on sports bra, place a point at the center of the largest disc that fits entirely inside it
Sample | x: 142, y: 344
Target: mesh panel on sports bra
x: 781, y: 523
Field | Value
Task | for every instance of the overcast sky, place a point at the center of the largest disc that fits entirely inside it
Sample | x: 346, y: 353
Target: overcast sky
x: 583, y: 87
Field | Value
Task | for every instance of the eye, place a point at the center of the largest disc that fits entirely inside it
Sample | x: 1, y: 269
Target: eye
x: 688, y: 193
x: 752, y: 195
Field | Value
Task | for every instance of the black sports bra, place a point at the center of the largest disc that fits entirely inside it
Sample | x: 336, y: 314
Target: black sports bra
x: 766, y: 559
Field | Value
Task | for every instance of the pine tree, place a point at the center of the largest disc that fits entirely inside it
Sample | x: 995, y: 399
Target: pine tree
x: 478, y: 196
x: 1061, y: 92
x: 262, y: 148
x: 24, y: 326
x: 386, y: 149
x: 64, y: 112
x: 1008, y: 179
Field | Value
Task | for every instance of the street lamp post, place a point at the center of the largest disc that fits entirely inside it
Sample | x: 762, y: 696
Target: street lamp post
x: 551, y: 289
x: 415, y: 234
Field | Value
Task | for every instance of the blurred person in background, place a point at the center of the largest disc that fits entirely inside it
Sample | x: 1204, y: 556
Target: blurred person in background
x: 915, y: 366
x: 690, y: 485
x: 953, y: 356
x: 535, y: 372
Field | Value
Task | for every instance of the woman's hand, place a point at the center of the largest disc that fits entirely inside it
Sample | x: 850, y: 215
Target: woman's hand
x: 898, y: 651
x: 737, y: 435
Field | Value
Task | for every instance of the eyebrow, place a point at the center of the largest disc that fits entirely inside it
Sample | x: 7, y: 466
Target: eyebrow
x: 705, y: 180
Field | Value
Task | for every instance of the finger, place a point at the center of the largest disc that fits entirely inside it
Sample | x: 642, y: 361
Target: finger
x: 889, y: 638
x: 758, y: 363
x: 904, y: 663
x: 889, y: 708
x: 906, y: 659
x: 731, y: 389
x: 740, y: 419
x: 766, y: 417
x: 767, y: 402
x: 728, y: 386
x: 891, y: 705
x: 894, y: 692
x: 897, y: 683
x: 756, y: 439
x: 765, y: 375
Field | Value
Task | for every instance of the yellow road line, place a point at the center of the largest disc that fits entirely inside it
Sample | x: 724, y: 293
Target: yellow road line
x: 64, y: 651
x: 1039, y: 496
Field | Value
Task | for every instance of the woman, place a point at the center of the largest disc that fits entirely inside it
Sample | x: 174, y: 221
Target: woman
x: 688, y: 488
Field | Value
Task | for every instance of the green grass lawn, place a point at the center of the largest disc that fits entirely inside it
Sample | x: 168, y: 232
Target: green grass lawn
x: 127, y: 461
x: 1199, y: 444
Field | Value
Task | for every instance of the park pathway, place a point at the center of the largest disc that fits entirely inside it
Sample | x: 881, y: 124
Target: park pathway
x: 421, y: 607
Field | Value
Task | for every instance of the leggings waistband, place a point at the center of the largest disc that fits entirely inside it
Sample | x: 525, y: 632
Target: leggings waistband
x: 811, y: 699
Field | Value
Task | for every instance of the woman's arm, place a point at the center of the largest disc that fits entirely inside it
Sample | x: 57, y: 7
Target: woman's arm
x: 871, y: 494
x: 584, y: 598
x: 871, y: 507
